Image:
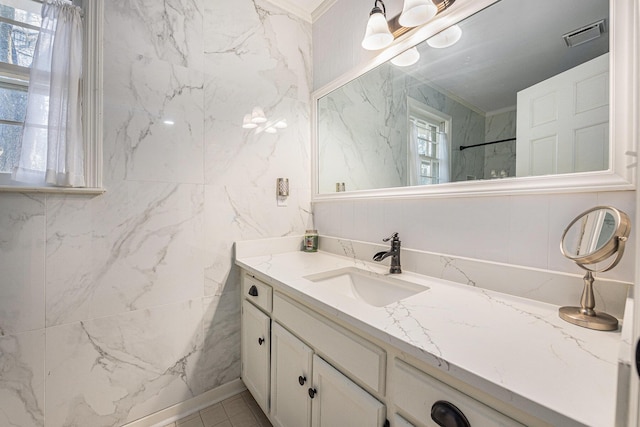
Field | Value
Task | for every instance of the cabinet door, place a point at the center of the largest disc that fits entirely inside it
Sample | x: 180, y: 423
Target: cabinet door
x: 338, y: 401
x: 255, y: 353
x: 290, y: 379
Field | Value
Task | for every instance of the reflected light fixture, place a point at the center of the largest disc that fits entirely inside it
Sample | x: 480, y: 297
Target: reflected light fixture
x: 281, y: 124
x: 446, y: 38
x: 417, y: 12
x: 259, y: 122
x: 377, y: 35
x: 406, y: 58
x: 257, y: 115
x: 247, y: 123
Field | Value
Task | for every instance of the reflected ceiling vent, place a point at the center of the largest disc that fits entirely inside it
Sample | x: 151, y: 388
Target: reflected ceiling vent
x: 585, y: 34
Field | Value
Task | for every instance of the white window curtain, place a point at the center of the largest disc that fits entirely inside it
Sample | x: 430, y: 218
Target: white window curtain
x: 414, y: 164
x: 443, y: 145
x: 52, y: 146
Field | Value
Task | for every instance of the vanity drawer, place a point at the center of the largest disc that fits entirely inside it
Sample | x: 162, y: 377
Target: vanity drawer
x: 359, y: 359
x: 260, y: 294
x: 415, y: 393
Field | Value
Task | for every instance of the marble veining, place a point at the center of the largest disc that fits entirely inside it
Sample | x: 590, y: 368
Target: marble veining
x: 400, y: 318
x: 122, y: 366
x: 22, y: 379
x: 151, y: 256
x: 22, y: 221
x: 156, y: 110
x: 169, y: 30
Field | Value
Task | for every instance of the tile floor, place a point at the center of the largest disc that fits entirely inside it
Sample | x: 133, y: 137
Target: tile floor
x: 240, y: 410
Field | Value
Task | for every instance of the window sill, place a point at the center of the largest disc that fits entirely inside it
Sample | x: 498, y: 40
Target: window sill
x: 52, y: 190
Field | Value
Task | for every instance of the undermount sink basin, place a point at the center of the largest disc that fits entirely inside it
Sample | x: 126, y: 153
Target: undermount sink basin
x: 372, y: 288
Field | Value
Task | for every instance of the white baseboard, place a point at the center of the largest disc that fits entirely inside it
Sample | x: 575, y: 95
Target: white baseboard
x: 182, y: 409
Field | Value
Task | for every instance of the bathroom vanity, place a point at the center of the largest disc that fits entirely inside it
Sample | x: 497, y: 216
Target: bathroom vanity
x: 315, y: 353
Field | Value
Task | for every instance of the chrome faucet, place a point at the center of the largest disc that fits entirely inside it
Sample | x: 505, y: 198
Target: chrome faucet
x: 394, y: 253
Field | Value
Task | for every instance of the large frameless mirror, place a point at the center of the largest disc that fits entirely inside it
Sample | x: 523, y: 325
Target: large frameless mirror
x: 523, y: 92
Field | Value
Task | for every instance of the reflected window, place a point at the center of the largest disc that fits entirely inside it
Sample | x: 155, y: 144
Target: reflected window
x: 428, y: 145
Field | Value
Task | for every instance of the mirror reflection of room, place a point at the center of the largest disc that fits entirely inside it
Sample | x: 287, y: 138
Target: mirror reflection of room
x: 521, y: 92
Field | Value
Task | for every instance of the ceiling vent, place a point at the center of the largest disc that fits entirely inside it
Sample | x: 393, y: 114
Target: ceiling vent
x: 585, y: 34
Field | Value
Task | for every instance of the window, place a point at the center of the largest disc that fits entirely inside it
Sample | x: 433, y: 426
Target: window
x: 429, y: 144
x: 19, y: 27
x: 20, y: 22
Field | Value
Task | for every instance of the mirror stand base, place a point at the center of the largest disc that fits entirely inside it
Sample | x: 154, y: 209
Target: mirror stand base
x: 599, y: 321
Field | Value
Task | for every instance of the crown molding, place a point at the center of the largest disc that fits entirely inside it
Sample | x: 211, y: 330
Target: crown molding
x: 321, y: 9
x: 293, y: 8
x: 309, y: 16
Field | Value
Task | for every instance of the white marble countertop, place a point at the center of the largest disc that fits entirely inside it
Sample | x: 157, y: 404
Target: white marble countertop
x: 517, y: 350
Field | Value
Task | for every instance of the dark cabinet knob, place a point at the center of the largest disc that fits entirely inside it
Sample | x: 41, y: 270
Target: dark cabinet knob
x: 253, y: 291
x: 638, y: 357
x: 312, y: 392
x: 260, y: 340
x: 302, y: 380
x: 445, y: 414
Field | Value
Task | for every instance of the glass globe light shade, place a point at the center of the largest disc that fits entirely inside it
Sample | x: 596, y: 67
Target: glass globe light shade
x: 417, y: 12
x: 377, y: 35
x: 406, y: 58
x: 446, y: 38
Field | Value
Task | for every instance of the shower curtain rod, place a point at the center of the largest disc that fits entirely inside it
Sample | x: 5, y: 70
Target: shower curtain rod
x: 464, y: 147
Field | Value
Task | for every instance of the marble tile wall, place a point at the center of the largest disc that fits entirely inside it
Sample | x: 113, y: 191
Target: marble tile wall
x: 363, y: 133
x: 116, y: 306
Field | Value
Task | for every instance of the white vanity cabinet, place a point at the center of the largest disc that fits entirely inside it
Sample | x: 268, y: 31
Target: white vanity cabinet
x: 306, y: 370
x: 338, y: 401
x: 291, y: 378
x: 255, y: 339
x: 328, y: 398
x: 290, y: 381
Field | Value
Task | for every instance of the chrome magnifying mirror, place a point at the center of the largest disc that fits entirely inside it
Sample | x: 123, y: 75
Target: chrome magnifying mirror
x: 595, y: 236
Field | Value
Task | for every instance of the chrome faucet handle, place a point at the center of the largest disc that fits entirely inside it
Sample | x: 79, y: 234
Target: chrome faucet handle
x: 394, y: 236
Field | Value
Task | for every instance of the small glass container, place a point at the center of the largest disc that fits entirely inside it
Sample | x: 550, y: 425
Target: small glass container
x: 310, y: 241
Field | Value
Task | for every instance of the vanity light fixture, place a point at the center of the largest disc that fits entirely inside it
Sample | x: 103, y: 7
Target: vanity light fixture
x: 377, y: 35
x: 406, y: 58
x: 446, y: 38
x: 417, y: 12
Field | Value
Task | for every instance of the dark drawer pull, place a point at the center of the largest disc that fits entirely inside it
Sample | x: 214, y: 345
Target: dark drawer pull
x: 302, y: 380
x: 312, y: 392
x: 253, y: 291
x: 445, y: 414
x: 260, y: 341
